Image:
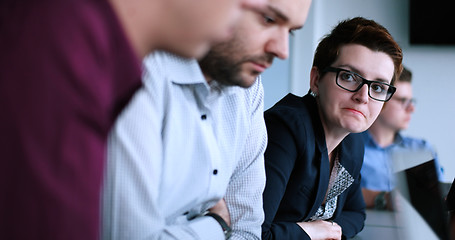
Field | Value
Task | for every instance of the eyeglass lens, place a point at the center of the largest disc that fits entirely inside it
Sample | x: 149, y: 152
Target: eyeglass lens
x: 353, y: 82
x: 406, y: 102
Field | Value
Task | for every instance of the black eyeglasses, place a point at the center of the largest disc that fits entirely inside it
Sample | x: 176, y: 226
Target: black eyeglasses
x: 353, y: 82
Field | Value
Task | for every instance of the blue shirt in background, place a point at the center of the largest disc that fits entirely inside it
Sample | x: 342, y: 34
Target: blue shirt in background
x: 377, y: 172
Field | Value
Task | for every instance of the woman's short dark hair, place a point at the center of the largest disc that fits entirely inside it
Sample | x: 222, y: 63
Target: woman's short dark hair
x: 360, y: 31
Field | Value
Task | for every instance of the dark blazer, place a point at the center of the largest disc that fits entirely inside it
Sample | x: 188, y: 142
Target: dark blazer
x: 450, y: 200
x: 297, y: 170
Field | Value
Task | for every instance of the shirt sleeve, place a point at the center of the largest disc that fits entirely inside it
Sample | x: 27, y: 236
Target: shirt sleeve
x: 134, y: 166
x: 244, y: 192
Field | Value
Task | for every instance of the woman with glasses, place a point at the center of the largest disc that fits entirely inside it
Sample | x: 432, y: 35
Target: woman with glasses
x: 314, y: 155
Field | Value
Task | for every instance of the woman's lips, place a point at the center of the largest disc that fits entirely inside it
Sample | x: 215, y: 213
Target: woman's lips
x: 355, y: 111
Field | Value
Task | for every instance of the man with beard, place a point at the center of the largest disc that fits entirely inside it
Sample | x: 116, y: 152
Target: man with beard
x: 185, y: 159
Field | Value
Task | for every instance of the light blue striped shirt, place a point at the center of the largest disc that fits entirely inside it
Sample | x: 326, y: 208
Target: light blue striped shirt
x: 180, y: 146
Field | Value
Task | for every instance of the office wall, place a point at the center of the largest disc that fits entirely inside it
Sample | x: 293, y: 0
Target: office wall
x: 433, y: 69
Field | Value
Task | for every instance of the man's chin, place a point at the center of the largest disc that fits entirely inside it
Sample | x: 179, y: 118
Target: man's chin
x: 242, y: 80
x: 248, y: 81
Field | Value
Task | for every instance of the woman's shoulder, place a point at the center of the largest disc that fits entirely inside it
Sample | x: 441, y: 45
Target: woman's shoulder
x: 289, y: 107
x: 356, y: 138
x: 353, y: 151
x: 354, y: 144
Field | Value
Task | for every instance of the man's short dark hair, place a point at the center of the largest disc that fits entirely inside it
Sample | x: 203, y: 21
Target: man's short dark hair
x: 406, y: 75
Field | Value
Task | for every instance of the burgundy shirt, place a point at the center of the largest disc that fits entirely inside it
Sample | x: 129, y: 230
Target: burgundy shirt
x: 66, y: 71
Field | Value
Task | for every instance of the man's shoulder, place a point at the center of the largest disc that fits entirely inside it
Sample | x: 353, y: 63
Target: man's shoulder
x: 415, y: 143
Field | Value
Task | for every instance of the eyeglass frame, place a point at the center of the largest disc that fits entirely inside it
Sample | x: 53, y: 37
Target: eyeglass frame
x: 336, y: 70
x: 406, y: 102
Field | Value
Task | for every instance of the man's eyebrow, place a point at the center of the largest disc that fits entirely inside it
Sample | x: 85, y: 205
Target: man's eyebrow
x: 278, y: 13
x: 297, y: 28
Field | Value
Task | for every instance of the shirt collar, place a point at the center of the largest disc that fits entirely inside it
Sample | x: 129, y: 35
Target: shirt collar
x: 190, y: 73
x: 398, y: 139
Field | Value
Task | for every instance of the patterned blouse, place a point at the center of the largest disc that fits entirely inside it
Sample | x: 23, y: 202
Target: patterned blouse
x: 340, y: 180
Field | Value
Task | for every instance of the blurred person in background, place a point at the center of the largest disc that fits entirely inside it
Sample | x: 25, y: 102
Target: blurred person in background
x: 383, y: 138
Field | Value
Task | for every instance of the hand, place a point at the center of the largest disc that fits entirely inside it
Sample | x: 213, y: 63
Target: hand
x: 370, y: 195
x: 221, y: 209
x: 321, y: 230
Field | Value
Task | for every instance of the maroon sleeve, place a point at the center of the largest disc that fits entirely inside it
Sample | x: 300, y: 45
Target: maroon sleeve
x: 66, y: 71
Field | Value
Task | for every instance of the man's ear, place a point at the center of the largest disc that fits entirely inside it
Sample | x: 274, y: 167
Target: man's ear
x: 314, y: 80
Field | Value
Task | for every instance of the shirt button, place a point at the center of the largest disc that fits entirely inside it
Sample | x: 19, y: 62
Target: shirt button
x: 203, y: 117
x: 215, y: 172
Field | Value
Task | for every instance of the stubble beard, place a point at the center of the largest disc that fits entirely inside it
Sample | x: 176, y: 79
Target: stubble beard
x: 220, y: 64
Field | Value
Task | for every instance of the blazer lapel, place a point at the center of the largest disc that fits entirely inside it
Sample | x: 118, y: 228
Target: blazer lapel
x: 321, y: 155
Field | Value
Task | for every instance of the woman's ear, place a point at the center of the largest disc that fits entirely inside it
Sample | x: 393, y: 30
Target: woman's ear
x: 314, y: 80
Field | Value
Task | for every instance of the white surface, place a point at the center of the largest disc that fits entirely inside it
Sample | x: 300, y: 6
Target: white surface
x: 403, y: 160
x: 379, y: 225
x: 413, y: 225
x: 402, y: 224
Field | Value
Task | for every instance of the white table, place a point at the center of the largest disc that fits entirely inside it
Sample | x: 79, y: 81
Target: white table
x: 399, y: 225
x: 379, y: 225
